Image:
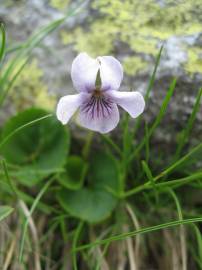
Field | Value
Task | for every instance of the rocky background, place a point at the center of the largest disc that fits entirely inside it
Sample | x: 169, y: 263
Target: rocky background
x: 132, y: 31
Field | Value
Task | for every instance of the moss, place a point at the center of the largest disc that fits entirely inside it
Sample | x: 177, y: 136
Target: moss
x: 140, y: 26
x: 30, y: 90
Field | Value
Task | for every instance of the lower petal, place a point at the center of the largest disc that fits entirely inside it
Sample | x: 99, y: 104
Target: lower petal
x: 67, y: 106
x: 99, y: 123
x: 132, y: 102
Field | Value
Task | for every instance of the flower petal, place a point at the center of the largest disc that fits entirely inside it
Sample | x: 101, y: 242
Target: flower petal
x: 132, y: 102
x: 84, y: 72
x: 67, y: 106
x: 101, y: 123
x: 111, y: 73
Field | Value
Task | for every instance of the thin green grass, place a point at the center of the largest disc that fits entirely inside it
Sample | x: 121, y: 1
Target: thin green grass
x: 6, y: 139
x: 33, y: 207
x: 11, y: 73
x: 122, y: 236
x: 171, y: 183
x: 70, y: 228
x: 111, y: 143
x: 75, y: 242
x: 185, y: 133
x: 182, y: 231
x: 199, y: 243
x: 149, y: 87
x: 3, y: 42
x: 158, y: 120
x: 5, y: 211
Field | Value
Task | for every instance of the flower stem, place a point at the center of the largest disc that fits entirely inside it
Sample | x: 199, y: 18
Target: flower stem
x: 126, y: 150
x: 87, y: 145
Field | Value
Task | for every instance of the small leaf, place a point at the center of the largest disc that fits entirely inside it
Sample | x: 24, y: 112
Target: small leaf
x: 75, y: 171
x: 5, y: 211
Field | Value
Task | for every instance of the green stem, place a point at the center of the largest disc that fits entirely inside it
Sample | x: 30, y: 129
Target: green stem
x: 127, y: 143
x: 172, y: 183
x: 75, y: 240
x: 109, y: 141
x: 87, y: 145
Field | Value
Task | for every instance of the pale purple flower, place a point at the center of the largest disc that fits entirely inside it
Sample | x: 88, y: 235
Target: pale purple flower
x: 97, y: 81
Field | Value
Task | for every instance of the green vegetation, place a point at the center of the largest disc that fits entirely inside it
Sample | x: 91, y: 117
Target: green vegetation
x: 91, y: 201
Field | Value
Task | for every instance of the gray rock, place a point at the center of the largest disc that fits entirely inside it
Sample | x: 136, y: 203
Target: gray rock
x: 24, y: 17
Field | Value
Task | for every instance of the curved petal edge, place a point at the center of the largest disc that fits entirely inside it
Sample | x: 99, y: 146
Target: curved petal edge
x: 67, y: 106
x: 132, y: 102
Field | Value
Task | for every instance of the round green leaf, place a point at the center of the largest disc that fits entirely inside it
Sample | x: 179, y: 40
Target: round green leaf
x: 104, y: 172
x: 89, y: 205
x: 94, y: 203
x: 74, y: 174
x: 37, y: 150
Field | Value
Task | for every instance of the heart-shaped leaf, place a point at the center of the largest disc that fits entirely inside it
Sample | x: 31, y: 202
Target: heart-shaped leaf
x: 89, y: 205
x: 36, y: 150
x: 74, y: 174
x: 93, y: 203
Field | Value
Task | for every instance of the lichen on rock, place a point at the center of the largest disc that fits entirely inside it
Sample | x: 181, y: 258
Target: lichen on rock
x: 140, y: 26
x: 29, y: 89
x: 59, y: 4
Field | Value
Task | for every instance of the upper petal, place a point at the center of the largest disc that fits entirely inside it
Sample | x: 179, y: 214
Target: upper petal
x: 111, y: 72
x: 132, y: 102
x: 67, y: 106
x: 99, y: 122
x: 84, y: 71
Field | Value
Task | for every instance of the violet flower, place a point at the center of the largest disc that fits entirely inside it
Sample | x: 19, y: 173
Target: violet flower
x: 97, y: 81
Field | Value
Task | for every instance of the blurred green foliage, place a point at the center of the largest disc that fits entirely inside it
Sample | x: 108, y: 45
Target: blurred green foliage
x: 129, y: 177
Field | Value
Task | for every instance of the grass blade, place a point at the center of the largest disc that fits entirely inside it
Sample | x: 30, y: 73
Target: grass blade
x: 150, y: 86
x: 33, y: 207
x: 181, y: 231
x: 3, y: 41
x: 180, y: 161
x: 199, y: 242
x: 75, y: 240
x: 171, y: 183
x: 5, y: 211
x: 122, y: 236
x: 153, y: 76
x: 184, y: 135
x: 148, y: 173
x: 26, y: 50
x: 8, y: 179
x: 109, y: 141
x: 157, y: 121
x: 22, y: 127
